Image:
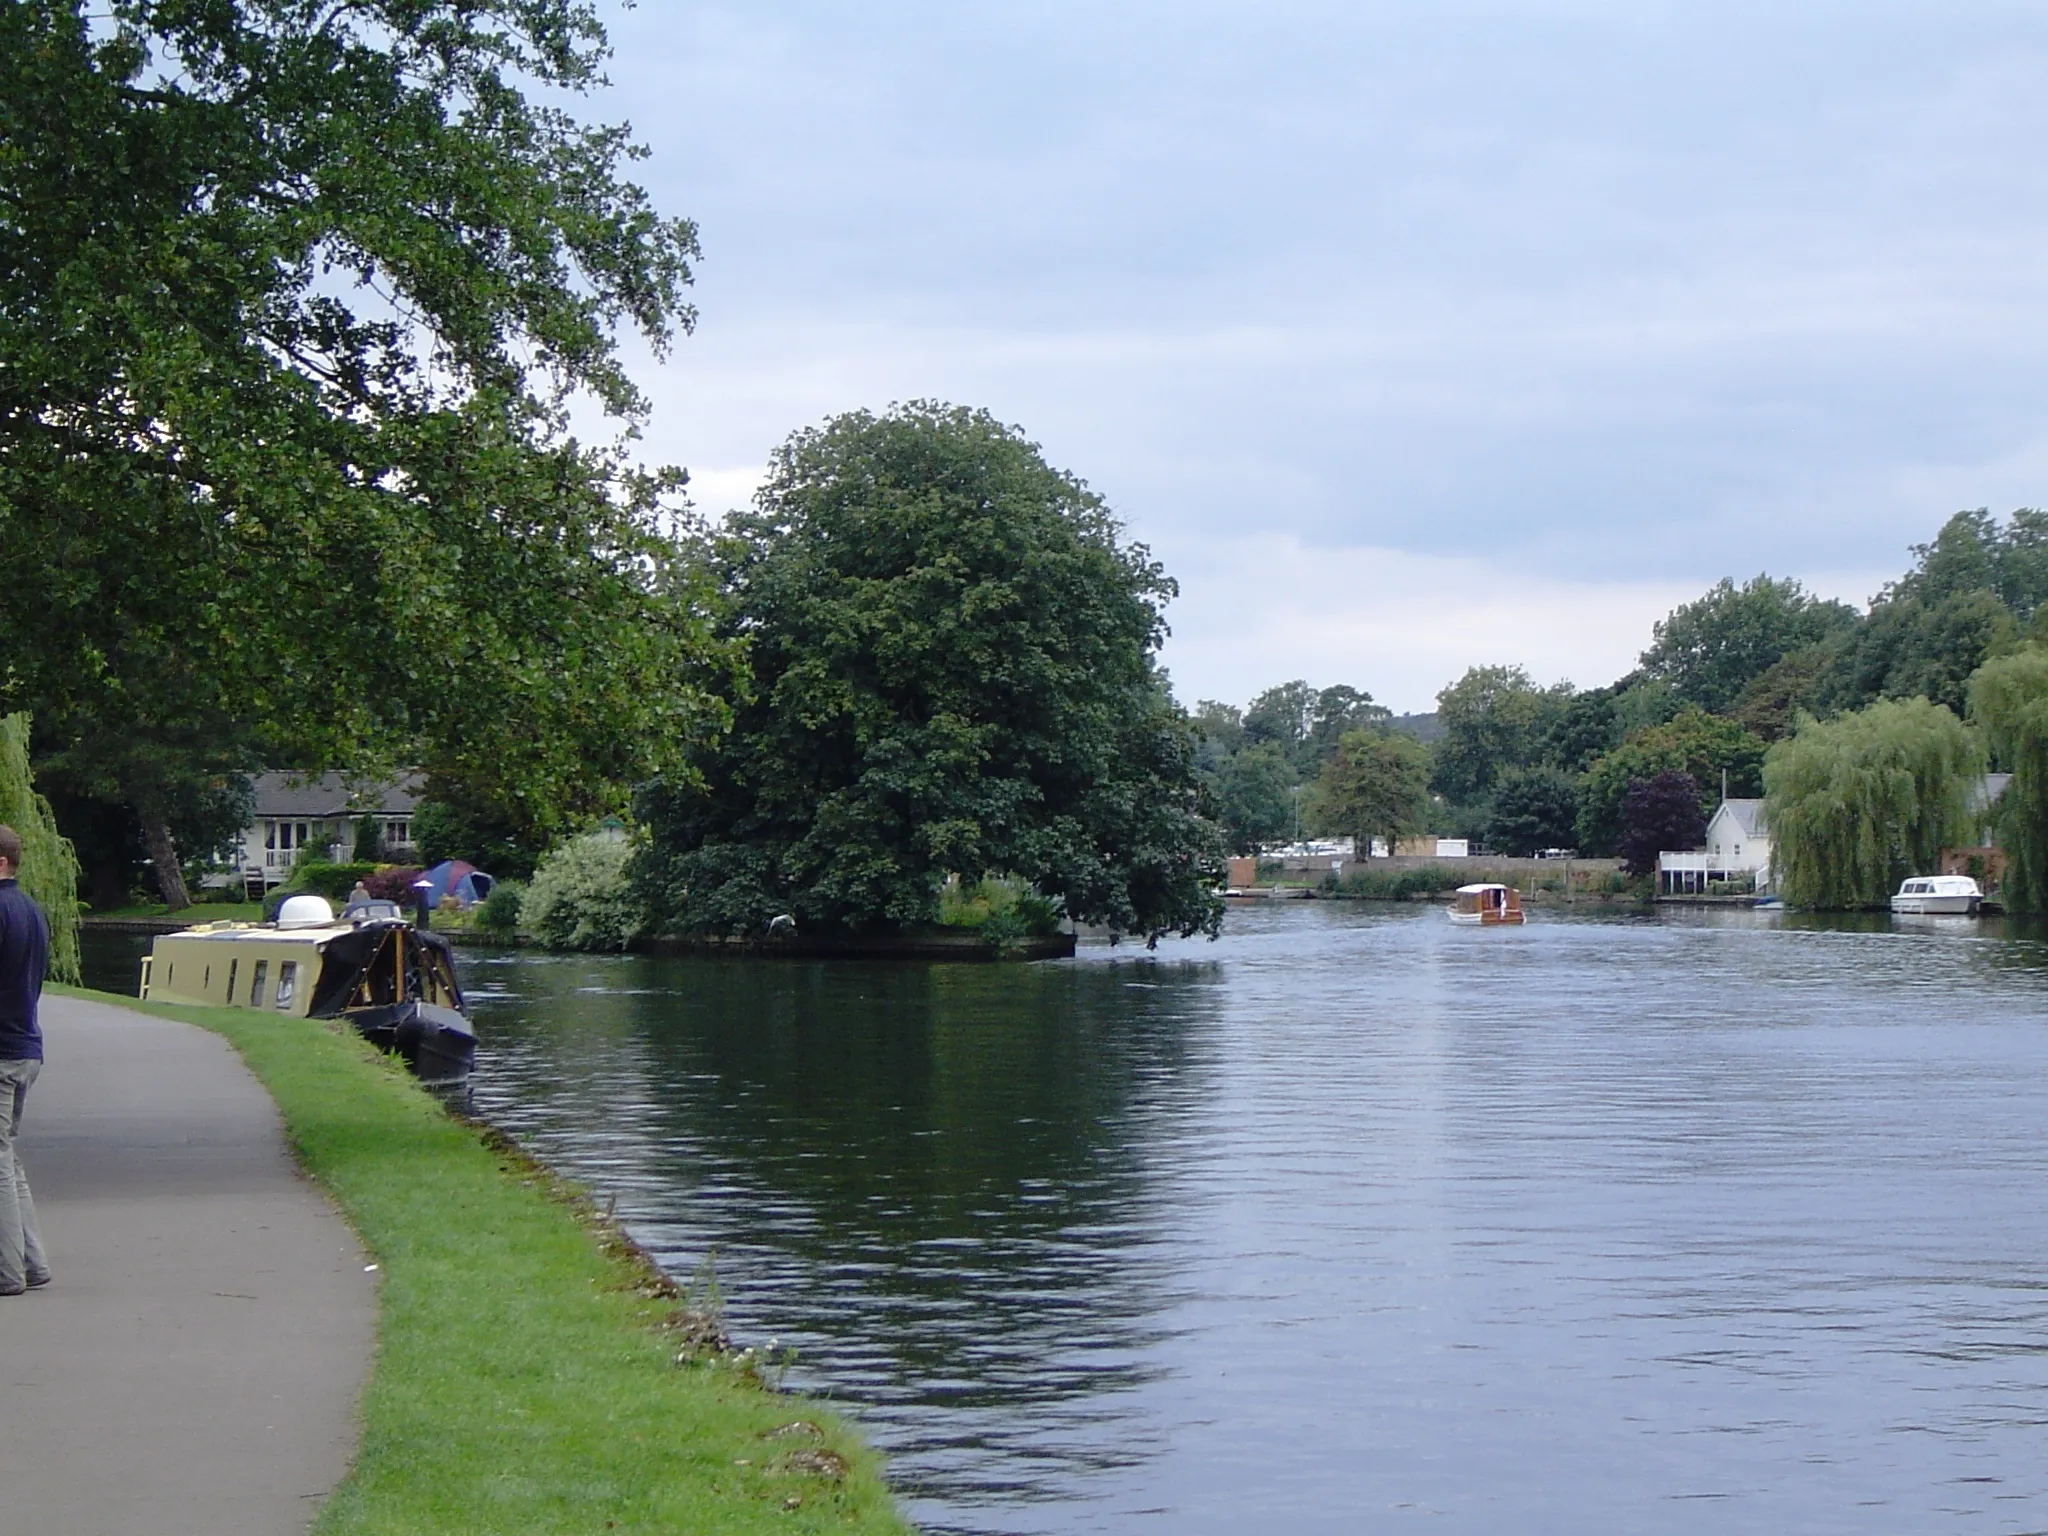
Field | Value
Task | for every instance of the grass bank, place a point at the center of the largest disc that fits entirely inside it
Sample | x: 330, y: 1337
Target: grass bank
x: 533, y: 1373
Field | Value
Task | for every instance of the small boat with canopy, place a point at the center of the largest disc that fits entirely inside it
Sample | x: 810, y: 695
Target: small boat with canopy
x: 1938, y: 896
x: 1486, y: 906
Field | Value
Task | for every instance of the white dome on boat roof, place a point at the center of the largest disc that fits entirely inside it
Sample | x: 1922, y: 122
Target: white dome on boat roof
x: 304, y: 912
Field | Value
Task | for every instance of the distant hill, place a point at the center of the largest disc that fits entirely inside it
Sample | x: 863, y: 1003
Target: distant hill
x: 1421, y: 727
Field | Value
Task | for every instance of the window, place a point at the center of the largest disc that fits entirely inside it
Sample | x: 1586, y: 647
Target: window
x: 256, y: 983
x: 287, y: 982
x: 233, y: 967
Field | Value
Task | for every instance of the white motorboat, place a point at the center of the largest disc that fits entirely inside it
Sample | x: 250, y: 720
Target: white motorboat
x: 1938, y: 896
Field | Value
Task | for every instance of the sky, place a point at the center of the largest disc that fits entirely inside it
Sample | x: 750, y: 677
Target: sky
x: 1409, y: 337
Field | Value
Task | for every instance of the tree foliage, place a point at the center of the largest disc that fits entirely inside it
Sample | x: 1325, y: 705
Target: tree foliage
x: 1376, y: 785
x: 1658, y: 814
x: 49, y: 869
x: 1493, y: 719
x: 952, y: 669
x: 293, y: 301
x: 1254, y: 791
x: 1692, y: 742
x: 1710, y: 648
x: 2009, y: 701
x: 1857, y: 803
x: 1533, y: 809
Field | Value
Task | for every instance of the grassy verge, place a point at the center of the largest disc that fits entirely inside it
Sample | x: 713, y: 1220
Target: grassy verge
x: 198, y: 912
x: 533, y: 1373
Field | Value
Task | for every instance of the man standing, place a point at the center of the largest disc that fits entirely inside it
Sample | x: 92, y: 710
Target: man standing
x: 24, y: 951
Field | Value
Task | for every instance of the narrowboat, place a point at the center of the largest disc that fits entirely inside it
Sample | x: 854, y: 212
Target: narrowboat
x: 1487, y: 906
x: 393, y: 982
x: 1938, y: 896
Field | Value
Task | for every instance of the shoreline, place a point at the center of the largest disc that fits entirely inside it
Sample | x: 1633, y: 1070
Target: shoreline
x: 535, y: 1369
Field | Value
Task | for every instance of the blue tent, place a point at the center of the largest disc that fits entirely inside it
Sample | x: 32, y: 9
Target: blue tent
x: 469, y: 884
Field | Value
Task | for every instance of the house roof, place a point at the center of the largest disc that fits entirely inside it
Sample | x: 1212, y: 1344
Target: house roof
x: 331, y: 794
x: 1747, y: 814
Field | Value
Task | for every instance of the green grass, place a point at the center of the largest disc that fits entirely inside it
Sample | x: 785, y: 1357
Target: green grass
x: 529, y: 1377
x: 198, y: 912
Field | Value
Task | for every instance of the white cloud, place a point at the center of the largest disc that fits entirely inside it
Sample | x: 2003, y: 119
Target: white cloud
x: 1259, y: 611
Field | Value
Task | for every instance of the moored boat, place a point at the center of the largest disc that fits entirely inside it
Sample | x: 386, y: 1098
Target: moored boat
x: 393, y: 982
x: 1486, y: 906
x: 1938, y: 896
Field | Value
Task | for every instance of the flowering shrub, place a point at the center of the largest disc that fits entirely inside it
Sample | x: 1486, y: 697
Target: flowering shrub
x: 579, y: 897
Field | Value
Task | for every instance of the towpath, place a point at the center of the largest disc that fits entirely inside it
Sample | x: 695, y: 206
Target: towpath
x: 194, y: 1366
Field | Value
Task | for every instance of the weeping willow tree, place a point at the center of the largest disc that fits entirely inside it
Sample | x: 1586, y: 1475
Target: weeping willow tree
x: 49, y: 869
x: 1857, y: 803
x: 2009, y: 700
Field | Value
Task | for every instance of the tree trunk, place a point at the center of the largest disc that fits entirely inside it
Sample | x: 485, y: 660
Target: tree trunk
x: 163, y: 853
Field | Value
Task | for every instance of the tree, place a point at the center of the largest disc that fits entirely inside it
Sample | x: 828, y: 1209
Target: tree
x: 294, y: 303
x: 49, y: 870
x: 1376, y: 785
x: 1253, y: 797
x: 1658, y: 814
x: 1857, y: 803
x: 1923, y: 647
x: 1710, y: 648
x: 1337, y: 712
x: 1772, y: 700
x: 2009, y: 701
x: 1582, y: 731
x: 1533, y: 809
x: 1494, y: 719
x: 1691, y: 742
x: 492, y: 842
x: 1972, y: 553
x: 951, y: 655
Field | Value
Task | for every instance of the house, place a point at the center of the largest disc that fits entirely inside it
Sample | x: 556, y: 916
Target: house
x: 1738, y: 852
x: 295, y: 812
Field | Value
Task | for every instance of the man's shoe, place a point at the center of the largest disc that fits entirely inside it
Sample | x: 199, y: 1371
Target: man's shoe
x: 12, y: 1290
x: 37, y: 1282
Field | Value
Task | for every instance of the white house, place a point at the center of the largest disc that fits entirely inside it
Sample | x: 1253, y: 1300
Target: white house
x: 1738, y: 851
x: 295, y: 812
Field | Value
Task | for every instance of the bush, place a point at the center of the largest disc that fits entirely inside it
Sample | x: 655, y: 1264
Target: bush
x: 393, y: 882
x: 499, y: 911
x: 1001, y: 910
x: 334, y: 881
x: 580, y: 897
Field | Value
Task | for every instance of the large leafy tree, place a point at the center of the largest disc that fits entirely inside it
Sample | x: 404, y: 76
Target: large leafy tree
x: 1493, y: 719
x: 1533, y: 809
x: 1710, y: 648
x: 1376, y: 785
x: 2009, y: 700
x: 1254, y: 793
x: 1858, y: 802
x: 951, y: 650
x: 294, y: 301
x: 1692, y: 742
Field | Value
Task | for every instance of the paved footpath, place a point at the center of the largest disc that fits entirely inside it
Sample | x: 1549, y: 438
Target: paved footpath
x: 193, y: 1367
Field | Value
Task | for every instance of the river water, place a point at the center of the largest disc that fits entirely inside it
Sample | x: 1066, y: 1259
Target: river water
x: 1357, y: 1220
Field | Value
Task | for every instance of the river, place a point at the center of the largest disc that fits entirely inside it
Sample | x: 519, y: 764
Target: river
x: 1354, y: 1219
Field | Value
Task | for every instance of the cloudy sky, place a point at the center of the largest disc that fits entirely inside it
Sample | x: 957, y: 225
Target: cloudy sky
x: 1409, y: 336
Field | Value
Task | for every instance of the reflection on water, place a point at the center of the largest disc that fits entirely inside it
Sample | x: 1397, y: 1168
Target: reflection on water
x: 1725, y: 1221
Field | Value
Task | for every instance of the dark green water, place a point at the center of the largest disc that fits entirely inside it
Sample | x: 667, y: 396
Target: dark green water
x: 1355, y: 1220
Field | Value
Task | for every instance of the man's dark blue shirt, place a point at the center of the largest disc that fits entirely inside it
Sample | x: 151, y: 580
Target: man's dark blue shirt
x: 24, y: 951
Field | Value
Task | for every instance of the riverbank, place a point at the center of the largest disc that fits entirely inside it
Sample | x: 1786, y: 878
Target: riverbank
x: 534, y: 1373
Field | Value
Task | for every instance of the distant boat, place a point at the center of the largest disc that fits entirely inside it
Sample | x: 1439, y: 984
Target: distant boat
x: 1487, y: 906
x: 1938, y: 896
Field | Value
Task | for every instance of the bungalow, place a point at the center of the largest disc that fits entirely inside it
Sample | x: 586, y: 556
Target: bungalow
x: 295, y: 813
x: 1738, y: 852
